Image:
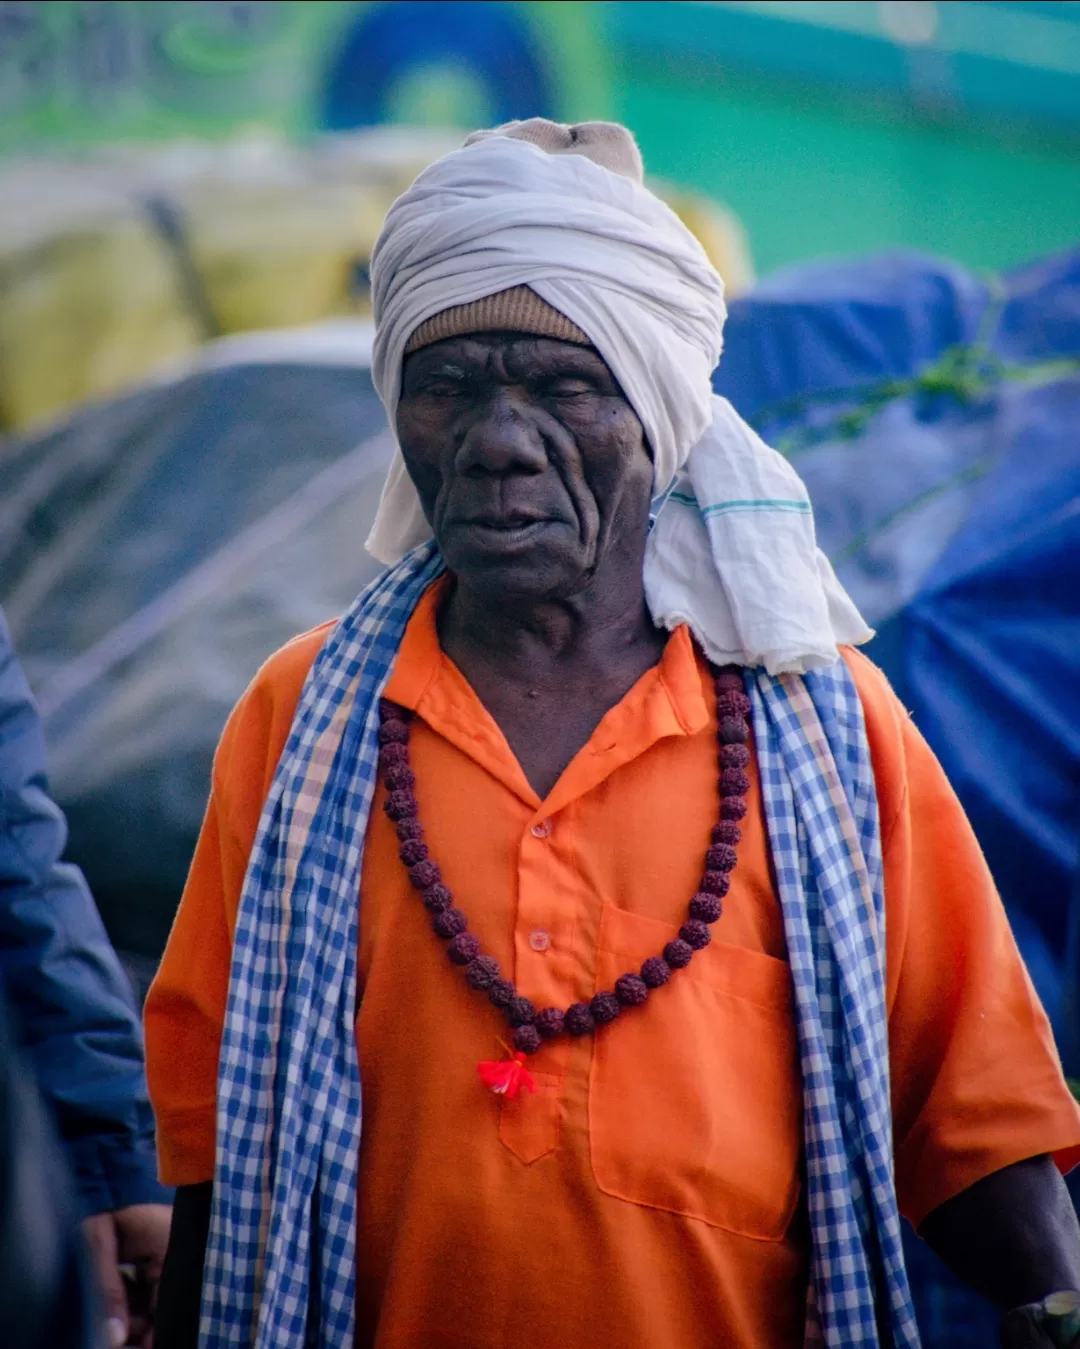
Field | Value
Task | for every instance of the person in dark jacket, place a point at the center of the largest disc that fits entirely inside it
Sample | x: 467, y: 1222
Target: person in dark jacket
x: 74, y: 1019
x: 46, y: 1297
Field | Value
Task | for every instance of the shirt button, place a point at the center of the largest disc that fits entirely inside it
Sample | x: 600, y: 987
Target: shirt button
x: 541, y: 830
x: 539, y: 940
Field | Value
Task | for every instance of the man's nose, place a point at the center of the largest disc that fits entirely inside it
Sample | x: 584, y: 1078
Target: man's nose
x: 503, y: 438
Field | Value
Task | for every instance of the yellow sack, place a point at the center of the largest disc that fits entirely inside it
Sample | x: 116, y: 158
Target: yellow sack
x: 115, y: 263
x: 89, y: 302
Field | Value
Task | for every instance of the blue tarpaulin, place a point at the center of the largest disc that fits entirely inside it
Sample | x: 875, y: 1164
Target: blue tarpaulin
x: 935, y: 416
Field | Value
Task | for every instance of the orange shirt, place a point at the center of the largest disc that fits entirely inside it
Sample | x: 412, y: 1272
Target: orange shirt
x: 649, y: 1193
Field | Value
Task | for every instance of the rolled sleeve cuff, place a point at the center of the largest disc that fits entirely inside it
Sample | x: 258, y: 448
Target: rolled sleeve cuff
x: 932, y: 1178
x: 185, y: 1144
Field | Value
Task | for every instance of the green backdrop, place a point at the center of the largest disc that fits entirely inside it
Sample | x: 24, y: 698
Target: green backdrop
x: 822, y: 128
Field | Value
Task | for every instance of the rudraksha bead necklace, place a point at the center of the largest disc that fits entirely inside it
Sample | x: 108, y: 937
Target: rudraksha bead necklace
x: 533, y: 1026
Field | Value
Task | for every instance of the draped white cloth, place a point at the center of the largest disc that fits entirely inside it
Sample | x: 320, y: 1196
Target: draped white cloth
x: 733, y: 551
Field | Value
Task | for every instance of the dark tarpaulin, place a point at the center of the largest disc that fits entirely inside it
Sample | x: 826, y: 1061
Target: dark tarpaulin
x: 154, y: 550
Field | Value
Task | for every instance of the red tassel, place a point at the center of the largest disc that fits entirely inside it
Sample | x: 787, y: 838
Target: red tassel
x: 507, y: 1077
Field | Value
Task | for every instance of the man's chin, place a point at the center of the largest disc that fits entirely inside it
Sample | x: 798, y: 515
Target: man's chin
x: 533, y: 573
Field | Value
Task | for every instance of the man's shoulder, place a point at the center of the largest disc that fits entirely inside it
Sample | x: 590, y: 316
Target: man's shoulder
x: 281, y: 676
x: 258, y: 726
x: 879, y: 700
x: 887, y: 731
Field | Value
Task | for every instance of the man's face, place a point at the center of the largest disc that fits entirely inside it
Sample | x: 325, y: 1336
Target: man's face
x: 530, y: 464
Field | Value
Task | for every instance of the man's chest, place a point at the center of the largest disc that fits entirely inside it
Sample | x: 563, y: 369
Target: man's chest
x: 689, y: 1103
x: 535, y: 878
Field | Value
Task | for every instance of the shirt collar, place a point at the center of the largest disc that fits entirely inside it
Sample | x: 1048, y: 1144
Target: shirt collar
x: 670, y: 699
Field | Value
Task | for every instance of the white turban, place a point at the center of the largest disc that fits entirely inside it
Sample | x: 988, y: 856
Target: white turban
x: 732, y: 552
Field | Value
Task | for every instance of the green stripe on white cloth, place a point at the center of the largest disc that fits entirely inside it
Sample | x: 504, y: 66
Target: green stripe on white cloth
x: 724, y: 507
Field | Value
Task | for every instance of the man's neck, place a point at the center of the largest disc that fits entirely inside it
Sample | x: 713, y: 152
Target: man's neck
x: 550, y: 643
x: 548, y: 671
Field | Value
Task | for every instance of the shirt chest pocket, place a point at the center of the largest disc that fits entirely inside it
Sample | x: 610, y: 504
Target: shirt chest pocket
x: 695, y: 1104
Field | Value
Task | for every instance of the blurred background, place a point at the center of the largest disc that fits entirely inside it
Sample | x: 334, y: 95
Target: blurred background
x: 191, y: 450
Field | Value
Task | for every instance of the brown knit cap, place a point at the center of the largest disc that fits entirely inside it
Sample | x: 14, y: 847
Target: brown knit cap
x: 520, y: 309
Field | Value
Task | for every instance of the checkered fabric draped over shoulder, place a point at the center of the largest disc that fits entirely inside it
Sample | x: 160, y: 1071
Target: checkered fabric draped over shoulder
x: 820, y: 802
x: 280, y: 1265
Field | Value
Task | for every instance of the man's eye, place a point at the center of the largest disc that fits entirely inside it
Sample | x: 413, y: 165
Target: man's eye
x: 445, y: 388
x: 569, y: 388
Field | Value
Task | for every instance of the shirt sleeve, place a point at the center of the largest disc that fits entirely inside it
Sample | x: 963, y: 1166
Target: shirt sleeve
x: 72, y: 1009
x: 184, y: 1013
x: 976, y: 1080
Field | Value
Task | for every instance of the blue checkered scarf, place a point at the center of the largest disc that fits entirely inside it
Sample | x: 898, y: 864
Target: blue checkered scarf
x: 281, y: 1258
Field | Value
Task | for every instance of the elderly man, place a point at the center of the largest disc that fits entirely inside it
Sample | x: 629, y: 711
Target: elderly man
x: 728, y: 985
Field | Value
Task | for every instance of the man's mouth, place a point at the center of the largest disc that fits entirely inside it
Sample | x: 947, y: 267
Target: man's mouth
x: 510, y: 520
x: 515, y: 527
